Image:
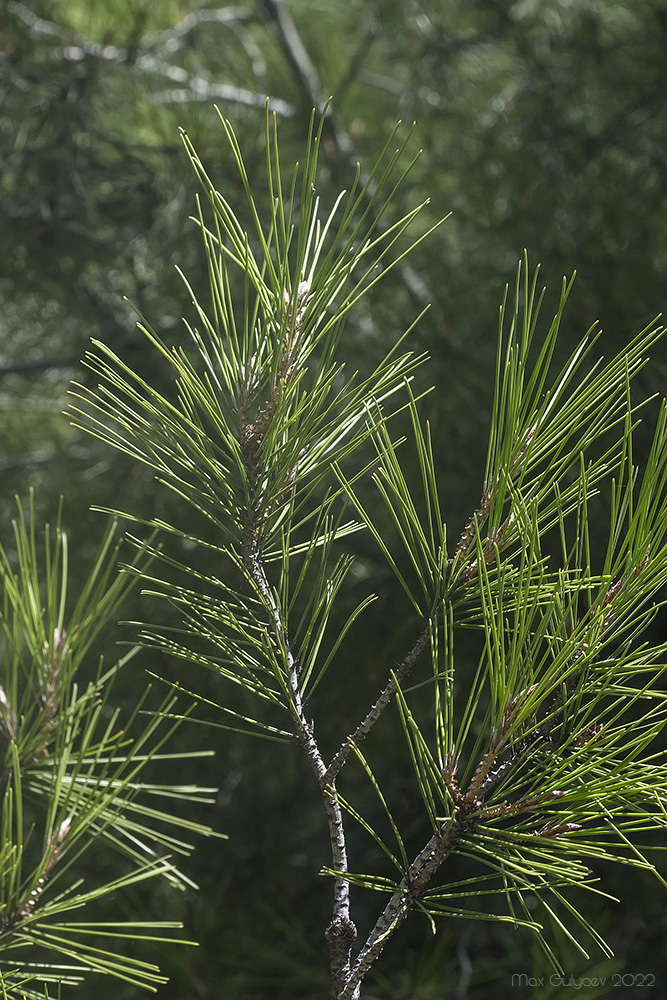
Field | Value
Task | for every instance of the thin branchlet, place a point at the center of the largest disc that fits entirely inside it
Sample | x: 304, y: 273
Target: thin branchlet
x: 376, y: 710
x: 461, y: 567
x: 459, y: 575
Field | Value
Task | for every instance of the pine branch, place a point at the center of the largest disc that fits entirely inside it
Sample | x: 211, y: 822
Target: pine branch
x: 258, y: 436
x: 462, y: 570
x: 468, y: 811
x: 341, y: 932
x: 83, y: 776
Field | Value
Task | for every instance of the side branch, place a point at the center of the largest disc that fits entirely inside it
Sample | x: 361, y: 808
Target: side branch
x: 459, y: 576
x: 410, y: 890
x: 468, y: 811
x: 362, y: 730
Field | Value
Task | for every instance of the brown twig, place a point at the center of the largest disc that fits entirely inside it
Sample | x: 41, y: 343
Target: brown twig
x: 469, y: 807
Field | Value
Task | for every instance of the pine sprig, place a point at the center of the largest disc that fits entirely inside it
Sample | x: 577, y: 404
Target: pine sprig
x: 543, y: 759
x: 73, y: 773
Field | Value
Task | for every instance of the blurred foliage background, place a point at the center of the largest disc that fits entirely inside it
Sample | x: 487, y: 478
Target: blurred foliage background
x: 543, y: 126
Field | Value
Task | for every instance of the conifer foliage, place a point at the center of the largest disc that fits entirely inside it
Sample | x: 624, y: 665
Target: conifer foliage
x: 547, y: 758
x: 75, y: 778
